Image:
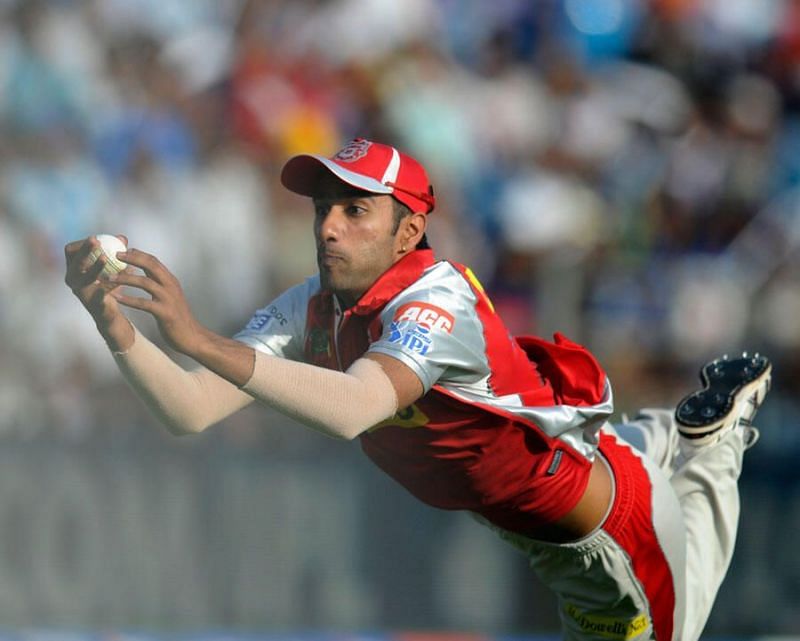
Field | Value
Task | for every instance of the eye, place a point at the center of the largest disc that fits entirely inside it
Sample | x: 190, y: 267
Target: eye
x: 354, y: 209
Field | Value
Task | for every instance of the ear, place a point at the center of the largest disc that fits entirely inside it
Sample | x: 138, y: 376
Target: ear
x: 412, y: 230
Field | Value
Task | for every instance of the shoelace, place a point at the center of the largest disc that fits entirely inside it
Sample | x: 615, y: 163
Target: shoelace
x: 747, y: 417
x: 751, y: 436
x: 751, y: 433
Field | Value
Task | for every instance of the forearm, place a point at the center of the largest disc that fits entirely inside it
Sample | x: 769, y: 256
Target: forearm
x: 229, y: 358
x: 118, y: 333
x: 339, y: 404
x: 185, y: 402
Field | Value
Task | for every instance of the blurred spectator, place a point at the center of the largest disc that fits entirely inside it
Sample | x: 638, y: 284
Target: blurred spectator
x: 623, y: 171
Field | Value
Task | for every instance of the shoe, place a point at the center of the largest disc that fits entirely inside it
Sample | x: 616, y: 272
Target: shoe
x: 734, y: 389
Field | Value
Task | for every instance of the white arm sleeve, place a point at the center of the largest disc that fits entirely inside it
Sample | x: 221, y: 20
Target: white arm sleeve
x: 339, y: 404
x: 184, y: 401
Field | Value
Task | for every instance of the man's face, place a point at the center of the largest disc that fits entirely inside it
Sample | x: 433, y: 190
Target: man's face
x: 355, y: 243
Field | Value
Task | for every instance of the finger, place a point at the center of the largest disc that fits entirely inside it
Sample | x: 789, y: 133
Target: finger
x: 80, y: 259
x: 148, y: 263
x: 79, y: 250
x: 82, y: 245
x: 130, y: 279
x: 108, y: 284
x: 77, y: 279
x: 134, y: 302
x: 93, y: 270
x: 70, y: 249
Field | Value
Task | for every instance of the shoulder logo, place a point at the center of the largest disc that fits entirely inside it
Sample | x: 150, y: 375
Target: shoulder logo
x: 415, y: 338
x: 264, y: 316
x: 425, y: 314
x: 354, y: 150
x: 415, y: 324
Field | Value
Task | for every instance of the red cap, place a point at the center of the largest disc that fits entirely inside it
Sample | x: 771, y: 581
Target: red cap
x: 367, y: 165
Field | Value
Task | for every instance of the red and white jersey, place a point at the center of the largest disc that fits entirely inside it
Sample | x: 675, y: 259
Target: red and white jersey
x: 507, y: 427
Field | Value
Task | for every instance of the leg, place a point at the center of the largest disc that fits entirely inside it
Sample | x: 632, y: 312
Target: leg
x: 707, y: 490
x: 697, y: 504
x: 715, y: 428
x: 653, y: 432
x: 700, y: 452
x: 625, y: 580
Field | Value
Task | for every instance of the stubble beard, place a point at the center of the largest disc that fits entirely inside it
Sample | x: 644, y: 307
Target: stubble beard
x: 339, y: 284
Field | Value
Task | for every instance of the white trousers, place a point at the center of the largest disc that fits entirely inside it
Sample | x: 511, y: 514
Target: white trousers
x: 705, y: 483
x: 653, y: 569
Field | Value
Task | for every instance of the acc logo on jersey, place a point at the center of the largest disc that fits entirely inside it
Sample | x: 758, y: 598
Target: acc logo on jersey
x: 354, y: 150
x: 425, y: 314
x: 413, y: 324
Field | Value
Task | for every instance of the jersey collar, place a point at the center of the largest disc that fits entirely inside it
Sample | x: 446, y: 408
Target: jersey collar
x: 394, y: 280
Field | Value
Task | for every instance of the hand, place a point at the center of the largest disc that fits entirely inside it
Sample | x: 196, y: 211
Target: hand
x: 97, y: 296
x: 82, y: 277
x: 167, y: 302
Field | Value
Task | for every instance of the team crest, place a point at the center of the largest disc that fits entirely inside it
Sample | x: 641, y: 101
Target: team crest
x: 354, y: 150
x: 319, y: 342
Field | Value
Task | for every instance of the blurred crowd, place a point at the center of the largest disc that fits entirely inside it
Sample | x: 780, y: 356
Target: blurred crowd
x: 626, y: 171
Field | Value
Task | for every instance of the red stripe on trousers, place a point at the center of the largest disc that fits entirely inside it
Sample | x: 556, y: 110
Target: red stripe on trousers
x: 631, y: 526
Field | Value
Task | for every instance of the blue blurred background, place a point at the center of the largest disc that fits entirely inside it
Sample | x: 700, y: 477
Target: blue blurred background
x: 624, y: 171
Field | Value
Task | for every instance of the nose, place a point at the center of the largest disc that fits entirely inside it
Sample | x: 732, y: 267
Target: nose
x: 329, y: 222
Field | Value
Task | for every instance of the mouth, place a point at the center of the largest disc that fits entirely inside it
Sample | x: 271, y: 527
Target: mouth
x: 328, y: 258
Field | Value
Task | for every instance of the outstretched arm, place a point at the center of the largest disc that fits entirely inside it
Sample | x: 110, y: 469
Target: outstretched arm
x: 185, y: 401
x: 340, y: 404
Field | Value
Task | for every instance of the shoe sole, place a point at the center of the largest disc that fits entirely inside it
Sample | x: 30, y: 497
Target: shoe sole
x: 728, y: 385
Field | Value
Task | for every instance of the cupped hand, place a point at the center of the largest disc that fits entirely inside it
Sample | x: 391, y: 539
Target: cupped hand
x: 83, y: 278
x: 166, y: 302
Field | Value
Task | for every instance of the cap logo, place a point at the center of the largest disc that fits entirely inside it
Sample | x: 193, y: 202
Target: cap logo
x: 354, y: 150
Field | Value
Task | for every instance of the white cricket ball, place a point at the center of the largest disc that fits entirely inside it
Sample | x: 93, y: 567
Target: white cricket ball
x: 109, y: 246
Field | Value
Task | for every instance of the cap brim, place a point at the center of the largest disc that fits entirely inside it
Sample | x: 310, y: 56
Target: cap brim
x: 302, y: 175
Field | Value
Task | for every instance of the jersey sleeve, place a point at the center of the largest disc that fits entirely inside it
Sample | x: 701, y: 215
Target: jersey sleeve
x: 278, y: 328
x: 433, y: 328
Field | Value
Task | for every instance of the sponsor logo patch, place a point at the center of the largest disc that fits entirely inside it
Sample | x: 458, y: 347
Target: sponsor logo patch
x: 415, y: 322
x: 408, y: 417
x: 415, y: 338
x: 262, y: 317
x: 425, y: 315
x: 607, y: 627
x: 354, y: 150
